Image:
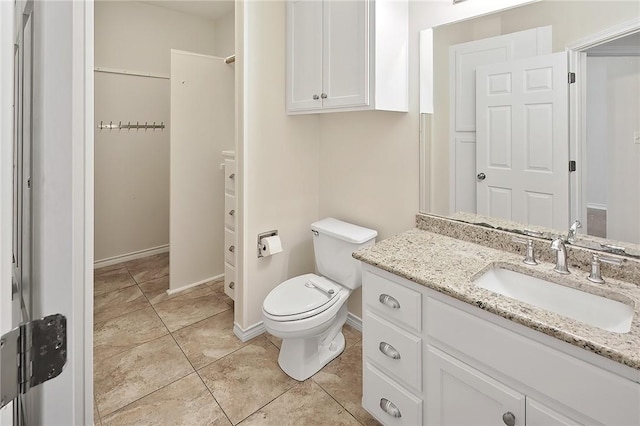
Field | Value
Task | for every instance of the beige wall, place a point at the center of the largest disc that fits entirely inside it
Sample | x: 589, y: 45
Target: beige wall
x: 280, y: 163
x: 586, y: 17
x: 224, y: 37
x: 357, y: 166
x: 132, y: 167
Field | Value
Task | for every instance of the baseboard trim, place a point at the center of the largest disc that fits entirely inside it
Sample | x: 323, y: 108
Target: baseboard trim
x: 354, y: 321
x: 130, y: 256
x: 245, y: 335
x: 185, y: 287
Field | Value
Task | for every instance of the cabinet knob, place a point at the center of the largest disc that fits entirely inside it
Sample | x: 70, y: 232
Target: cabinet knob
x: 323, y: 96
x: 232, y: 285
x: 232, y: 176
x: 389, y: 301
x: 509, y: 419
x: 316, y: 97
x: 232, y: 249
x: 232, y: 212
x: 389, y: 350
x: 390, y: 408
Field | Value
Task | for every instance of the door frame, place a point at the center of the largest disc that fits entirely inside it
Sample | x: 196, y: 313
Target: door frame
x: 69, y: 399
x: 578, y: 110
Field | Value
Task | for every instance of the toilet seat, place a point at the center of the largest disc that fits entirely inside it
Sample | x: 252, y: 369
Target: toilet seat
x: 301, y: 297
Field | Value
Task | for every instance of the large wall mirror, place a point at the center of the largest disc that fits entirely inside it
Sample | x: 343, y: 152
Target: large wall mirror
x: 507, y: 134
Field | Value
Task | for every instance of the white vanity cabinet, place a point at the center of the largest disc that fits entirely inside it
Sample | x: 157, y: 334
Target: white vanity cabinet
x: 347, y: 55
x: 461, y: 365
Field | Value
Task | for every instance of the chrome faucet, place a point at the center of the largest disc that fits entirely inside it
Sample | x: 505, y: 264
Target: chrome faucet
x: 596, y: 276
x: 561, y: 256
x: 573, y: 230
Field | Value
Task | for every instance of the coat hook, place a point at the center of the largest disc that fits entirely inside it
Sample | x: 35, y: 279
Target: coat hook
x: 100, y: 127
x: 137, y: 126
x: 119, y: 125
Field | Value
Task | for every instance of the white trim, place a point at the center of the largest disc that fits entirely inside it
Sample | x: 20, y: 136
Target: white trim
x: 133, y: 73
x: 253, y: 331
x: 199, y: 55
x: 6, y: 178
x: 612, y: 33
x: 85, y: 20
x: 188, y: 286
x: 354, y: 321
x: 578, y: 105
x: 130, y: 256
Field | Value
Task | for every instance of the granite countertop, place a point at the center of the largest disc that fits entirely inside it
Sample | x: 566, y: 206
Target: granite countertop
x: 448, y: 266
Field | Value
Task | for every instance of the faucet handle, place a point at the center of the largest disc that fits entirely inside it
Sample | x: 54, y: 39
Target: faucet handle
x: 530, y: 258
x: 596, y: 276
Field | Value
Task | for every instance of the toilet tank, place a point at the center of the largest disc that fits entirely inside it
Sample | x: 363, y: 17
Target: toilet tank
x: 333, y: 243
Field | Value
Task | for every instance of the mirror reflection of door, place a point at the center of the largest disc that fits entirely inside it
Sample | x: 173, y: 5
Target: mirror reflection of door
x: 522, y: 141
x: 612, y: 208
x: 464, y: 58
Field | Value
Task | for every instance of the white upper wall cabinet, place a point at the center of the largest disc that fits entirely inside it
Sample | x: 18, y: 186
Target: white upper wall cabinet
x: 347, y: 55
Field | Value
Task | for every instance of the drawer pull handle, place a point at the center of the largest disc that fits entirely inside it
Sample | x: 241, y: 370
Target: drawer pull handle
x: 232, y: 249
x: 390, y: 408
x: 232, y: 176
x: 232, y: 285
x: 389, y: 301
x: 509, y: 419
x: 232, y: 212
x: 389, y: 350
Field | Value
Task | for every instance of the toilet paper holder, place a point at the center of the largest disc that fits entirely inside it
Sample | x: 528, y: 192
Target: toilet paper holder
x: 264, y: 235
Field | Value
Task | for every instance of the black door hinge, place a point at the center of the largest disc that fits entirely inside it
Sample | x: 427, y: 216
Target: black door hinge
x: 572, y: 166
x: 572, y: 77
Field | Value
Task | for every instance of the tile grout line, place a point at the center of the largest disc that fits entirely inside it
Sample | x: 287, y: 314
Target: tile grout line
x: 214, y: 397
x: 332, y: 397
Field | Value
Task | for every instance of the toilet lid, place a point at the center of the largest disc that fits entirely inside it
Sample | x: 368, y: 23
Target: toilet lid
x: 301, y: 294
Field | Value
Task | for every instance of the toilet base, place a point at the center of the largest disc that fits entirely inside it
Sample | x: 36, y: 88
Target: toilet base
x: 302, y: 358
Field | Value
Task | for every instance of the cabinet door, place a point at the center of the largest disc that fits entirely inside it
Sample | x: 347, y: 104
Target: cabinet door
x: 460, y: 395
x: 345, y: 53
x: 304, y: 55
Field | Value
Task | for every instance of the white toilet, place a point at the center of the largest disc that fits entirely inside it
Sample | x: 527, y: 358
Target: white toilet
x: 308, y: 311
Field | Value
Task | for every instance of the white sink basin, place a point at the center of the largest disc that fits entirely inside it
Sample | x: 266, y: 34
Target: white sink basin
x: 597, y: 311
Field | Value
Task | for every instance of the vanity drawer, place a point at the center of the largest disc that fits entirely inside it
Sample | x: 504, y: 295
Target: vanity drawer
x: 230, y: 280
x: 230, y: 176
x: 392, y: 300
x: 230, y: 247
x: 230, y: 211
x: 396, y: 351
x: 380, y: 392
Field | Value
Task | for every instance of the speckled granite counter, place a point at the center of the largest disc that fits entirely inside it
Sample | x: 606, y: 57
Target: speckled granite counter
x: 448, y: 266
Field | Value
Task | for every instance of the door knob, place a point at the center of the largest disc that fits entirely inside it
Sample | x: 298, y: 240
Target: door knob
x: 481, y: 176
x: 316, y: 97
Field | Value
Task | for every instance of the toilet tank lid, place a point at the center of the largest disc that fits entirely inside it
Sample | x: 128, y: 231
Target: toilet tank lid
x: 343, y: 230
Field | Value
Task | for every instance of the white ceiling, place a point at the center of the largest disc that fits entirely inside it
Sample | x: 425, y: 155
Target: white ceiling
x: 211, y: 9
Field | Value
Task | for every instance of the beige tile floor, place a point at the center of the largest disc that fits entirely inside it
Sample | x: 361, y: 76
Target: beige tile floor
x: 174, y: 360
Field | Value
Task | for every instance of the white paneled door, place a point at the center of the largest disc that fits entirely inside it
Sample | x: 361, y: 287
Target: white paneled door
x: 464, y: 58
x: 522, y: 146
